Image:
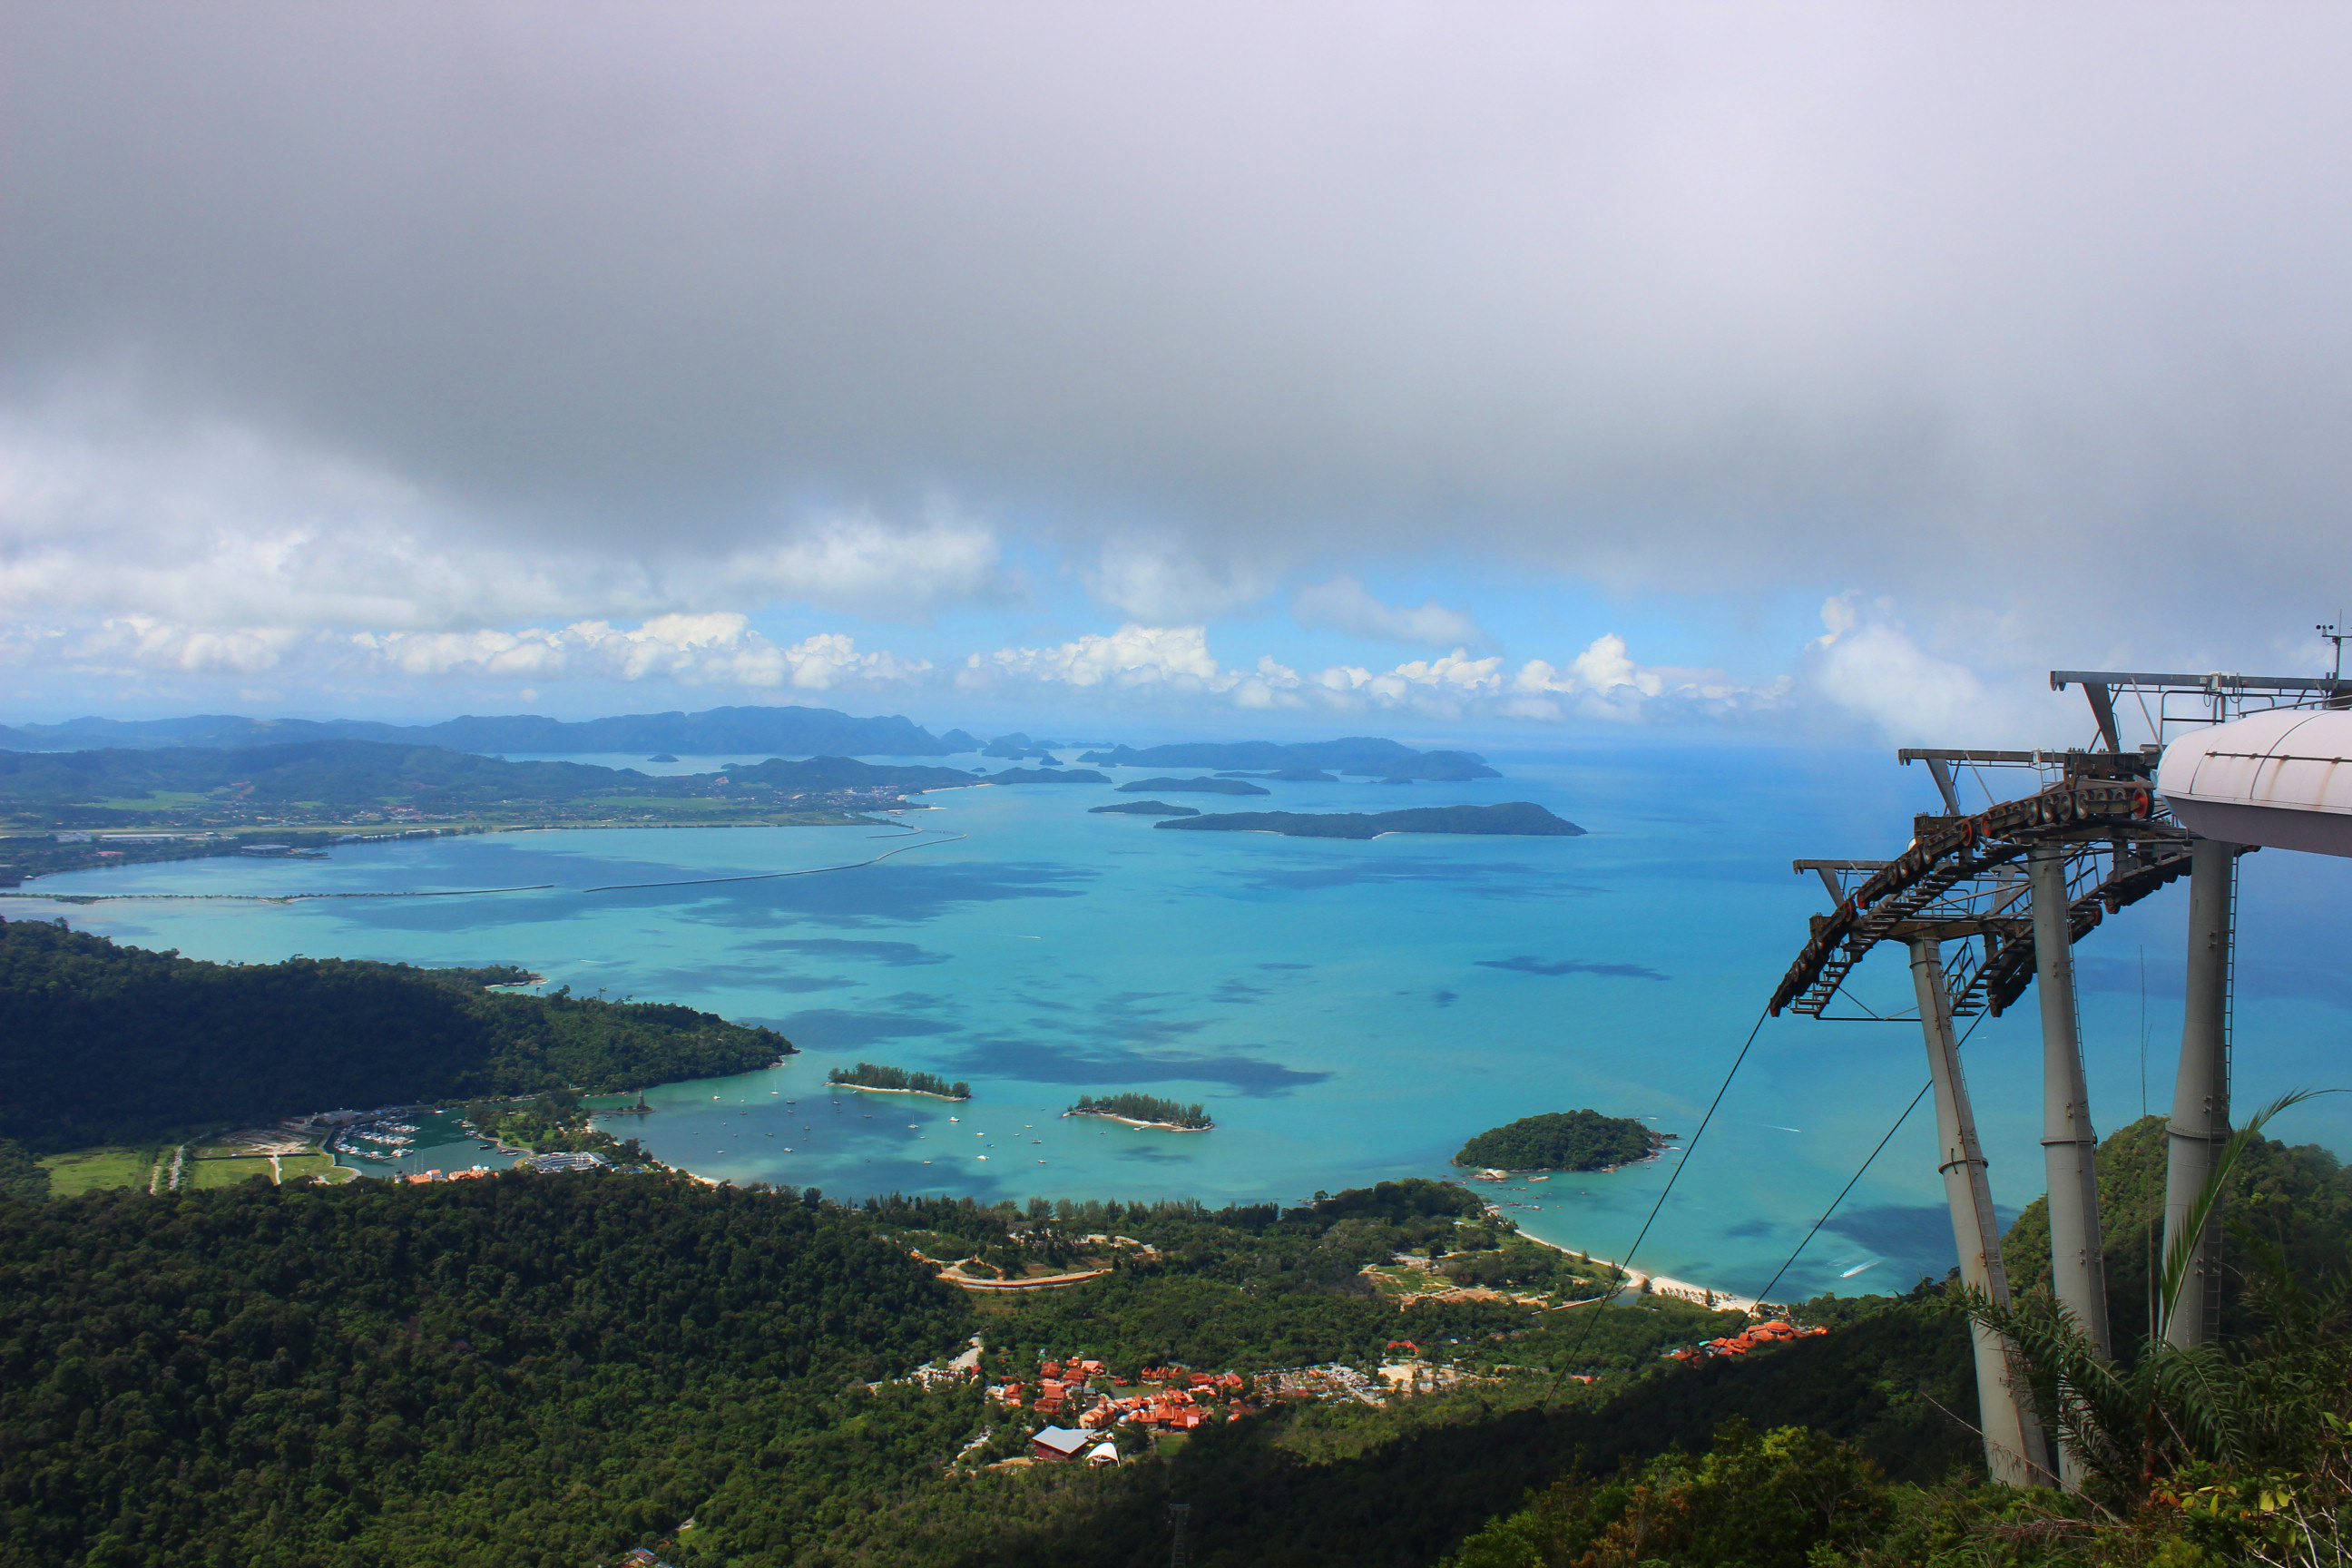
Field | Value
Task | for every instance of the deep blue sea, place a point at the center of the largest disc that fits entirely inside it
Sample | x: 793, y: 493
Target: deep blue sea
x: 1348, y: 1011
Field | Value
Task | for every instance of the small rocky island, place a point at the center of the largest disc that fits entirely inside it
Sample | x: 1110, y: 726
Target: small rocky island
x: 1194, y: 786
x: 1517, y: 817
x: 1144, y: 1110
x: 897, y: 1080
x: 1562, y: 1141
x: 1142, y: 808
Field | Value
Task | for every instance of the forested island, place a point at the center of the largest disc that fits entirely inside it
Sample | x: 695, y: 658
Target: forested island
x: 1143, y: 808
x: 1361, y: 756
x: 897, y: 1080
x: 102, y: 1043
x: 1193, y: 786
x: 1516, y: 818
x: 1562, y: 1141
x: 1144, y: 1110
x: 1046, y: 775
x: 359, y: 783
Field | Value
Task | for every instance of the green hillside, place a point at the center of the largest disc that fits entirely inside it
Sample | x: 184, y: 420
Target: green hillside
x: 106, y: 1044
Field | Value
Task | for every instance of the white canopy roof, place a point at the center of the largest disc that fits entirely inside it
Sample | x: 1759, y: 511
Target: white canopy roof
x: 2281, y: 779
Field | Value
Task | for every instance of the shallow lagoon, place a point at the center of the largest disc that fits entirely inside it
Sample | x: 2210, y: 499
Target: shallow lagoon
x: 1349, y: 1011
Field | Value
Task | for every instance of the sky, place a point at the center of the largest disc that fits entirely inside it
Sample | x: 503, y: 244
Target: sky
x: 1794, y: 371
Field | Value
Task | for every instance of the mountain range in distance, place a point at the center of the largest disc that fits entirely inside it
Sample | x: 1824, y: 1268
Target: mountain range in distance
x: 780, y: 730
x: 775, y: 730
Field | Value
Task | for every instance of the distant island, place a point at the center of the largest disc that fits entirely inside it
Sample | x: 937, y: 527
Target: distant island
x: 1144, y: 1110
x: 663, y: 757
x: 1516, y: 818
x: 1016, y: 746
x: 1143, y: 808
x: 780, y: 728
x: 1193, y: 786
x: 1562, y: 1141
x: 1046, y: 775
x: 1287, y: 776
x: 897, y: 1080
x: 351, y: 783
x: 1362, y: 756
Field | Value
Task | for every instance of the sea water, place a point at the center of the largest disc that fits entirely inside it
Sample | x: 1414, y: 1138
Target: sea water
x: 1347, y: 1010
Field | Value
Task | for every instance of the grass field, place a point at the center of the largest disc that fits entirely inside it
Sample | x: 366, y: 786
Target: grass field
x: 216, y: 1165
x: 209, y: 1167
x: 212, y: 1169
x: 88, y: 1170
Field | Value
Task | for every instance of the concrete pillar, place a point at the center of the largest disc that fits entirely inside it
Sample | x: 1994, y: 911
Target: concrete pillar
x: 2200, y: 1094
x: 2070, y: 1148
x: 2078, y: 1274
x: 2015, y: 1452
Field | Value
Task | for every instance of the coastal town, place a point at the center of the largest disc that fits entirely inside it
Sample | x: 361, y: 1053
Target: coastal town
x: 1079, y: 1408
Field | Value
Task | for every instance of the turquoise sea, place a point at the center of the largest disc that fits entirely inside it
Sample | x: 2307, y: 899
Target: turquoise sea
x: 1348, y: 1011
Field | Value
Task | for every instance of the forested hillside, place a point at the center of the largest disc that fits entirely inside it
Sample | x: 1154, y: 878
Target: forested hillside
x: 102, y: 1043
x: 551, y: 1370
x: 519, y: 1370
x: 2298, y: 1199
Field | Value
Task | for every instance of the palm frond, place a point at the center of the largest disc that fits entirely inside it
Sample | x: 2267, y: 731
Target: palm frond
x: 2180, y: 1258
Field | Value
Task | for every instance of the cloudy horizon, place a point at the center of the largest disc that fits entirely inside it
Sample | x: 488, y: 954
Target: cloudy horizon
x: 1834, y: 370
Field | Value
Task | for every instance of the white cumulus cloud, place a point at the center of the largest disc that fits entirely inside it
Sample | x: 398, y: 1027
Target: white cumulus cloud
x: 1866, y: 663
x: 699, y: 650
x: 1134, y: 657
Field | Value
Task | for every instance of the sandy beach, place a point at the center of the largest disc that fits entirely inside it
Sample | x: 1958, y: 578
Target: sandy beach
x: 1659, y: 1284
x: 1131, y: 1121
x: 927, y: 1094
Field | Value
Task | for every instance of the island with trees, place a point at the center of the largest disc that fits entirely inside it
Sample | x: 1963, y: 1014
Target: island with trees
x: 1194, y: 786
x: 1518, y: 818
x: 1142, y: 808
x: 1144, y: 1110
x: 1046, y: 776
x: 377, y: 786
x: 897, y: 1080
x: 1562, y: 1141
x: 107, y: 1044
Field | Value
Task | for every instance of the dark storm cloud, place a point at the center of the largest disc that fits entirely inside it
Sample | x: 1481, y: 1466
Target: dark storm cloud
x: 1846, y: 290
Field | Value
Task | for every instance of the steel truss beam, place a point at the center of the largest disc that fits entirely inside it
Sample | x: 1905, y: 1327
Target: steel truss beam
x: 1960, y: 877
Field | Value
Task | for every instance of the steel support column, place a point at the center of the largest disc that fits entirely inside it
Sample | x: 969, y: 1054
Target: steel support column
x: 2015, y: 1452
x: 2078, y: 1275
x: 2070, y: 1148
x: 2200, y: 1094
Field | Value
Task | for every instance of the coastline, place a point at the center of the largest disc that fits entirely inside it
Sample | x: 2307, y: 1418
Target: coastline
x: 1659, y: 1284
x: 877, y: 1088
x: 1131, y: 1121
